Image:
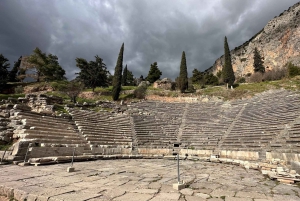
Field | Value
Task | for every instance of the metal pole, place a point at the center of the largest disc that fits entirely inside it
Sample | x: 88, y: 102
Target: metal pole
x: 178, y: 169
x: 73, y: 157
x: 29, y: 145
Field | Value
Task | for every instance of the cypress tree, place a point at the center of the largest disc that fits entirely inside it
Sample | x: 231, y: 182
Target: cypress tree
x: 228, y: 74
x: 183, y: 76
x: 124, y: 76
x: 117, y: 80
x: 258, y: 63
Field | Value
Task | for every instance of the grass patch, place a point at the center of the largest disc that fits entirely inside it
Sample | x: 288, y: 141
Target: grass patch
x: 125, y: 88
x: 59, y: 94
x: 60, y: 109
x: 4, y: 147
x: 6, y: 96
x: 245, y: 90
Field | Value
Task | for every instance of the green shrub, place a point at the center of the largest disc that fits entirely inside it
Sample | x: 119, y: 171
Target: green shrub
x: 19, y: 90
x: 241, y: 80
x: 210, y: 79
x: 256, y: 77
x: 293, y: 70
x: 219, y: 74
x: 275, y: 74
x: 59, y: 86
x: 140, y: 92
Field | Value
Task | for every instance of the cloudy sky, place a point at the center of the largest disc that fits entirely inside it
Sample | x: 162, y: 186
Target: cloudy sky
x: 152, y: 30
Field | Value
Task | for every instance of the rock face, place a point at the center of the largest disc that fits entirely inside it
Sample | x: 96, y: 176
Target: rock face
x: 278, y: 43
x: 165, y: 83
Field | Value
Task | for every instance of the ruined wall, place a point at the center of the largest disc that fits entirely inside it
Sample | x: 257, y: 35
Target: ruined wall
x: 278, y: 43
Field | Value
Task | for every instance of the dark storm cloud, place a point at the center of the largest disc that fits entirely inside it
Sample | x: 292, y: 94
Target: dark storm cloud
x: 151, y: 30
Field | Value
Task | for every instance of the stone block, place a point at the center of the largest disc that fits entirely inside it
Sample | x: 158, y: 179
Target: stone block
x: 71, y: 169
x: 178, y: 186
x: 286, y: 181
x: 24, y: 164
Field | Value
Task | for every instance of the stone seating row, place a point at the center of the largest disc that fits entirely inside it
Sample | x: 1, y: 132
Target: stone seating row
x: 56, y: 132
x: 103, y: 129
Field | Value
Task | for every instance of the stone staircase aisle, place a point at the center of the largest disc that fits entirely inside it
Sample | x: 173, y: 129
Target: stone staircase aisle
x: 227, y: 133
x: 183, y: 123
x: 135, y: 145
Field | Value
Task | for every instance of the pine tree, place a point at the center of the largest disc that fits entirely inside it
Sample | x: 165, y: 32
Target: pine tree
x: 258, y: 63
x: 183, y: 76
x: 117, y: 80
x: 130, y: 78
x: 228, y: 74
x: 46, y: 67
x: 154, y: 73
x: 124, y: 76
x: 94, y: 73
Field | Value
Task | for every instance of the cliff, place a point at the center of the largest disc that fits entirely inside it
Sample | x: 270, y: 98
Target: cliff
x: 278, y: 43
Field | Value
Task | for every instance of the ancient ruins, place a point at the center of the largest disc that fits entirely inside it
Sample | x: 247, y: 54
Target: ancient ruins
x: 260, y: 133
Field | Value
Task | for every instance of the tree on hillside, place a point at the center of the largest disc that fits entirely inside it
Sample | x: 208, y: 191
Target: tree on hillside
x: 12, y: 76
x: 117, y: 79
x: 258, y: 62
x: 154, y: 73
x: 183, y: 76
x: 44, y: 67
x: 124, y: 76
x: 94, y: 73
x: 130, y: 78
x: 4, y: 65
x: 197, y: 76
x: 127, y: 77
x: 73, y: 89
x: 228, y: 74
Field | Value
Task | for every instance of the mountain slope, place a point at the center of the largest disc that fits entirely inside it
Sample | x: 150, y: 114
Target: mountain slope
x: 278, y: 43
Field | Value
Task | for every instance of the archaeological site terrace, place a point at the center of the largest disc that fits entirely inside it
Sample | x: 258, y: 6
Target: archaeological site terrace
x: 229, y: 150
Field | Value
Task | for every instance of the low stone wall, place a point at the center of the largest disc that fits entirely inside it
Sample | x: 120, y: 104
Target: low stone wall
x: 196, y: 152
x: 36, y: 152
x: 240, y: 155
x: 288, y: 157
x: 110, y: 151
x: 148, y: 151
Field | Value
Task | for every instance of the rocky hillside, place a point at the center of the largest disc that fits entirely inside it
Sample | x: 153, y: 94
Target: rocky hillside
x: 278, y: 43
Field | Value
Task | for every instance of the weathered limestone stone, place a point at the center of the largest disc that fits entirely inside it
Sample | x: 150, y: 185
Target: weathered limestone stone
x: 166, y: 196
x: 134, y: 197
x: 22, y: 107
x: 202, y: 195
x: 145, y: 191
x: 165, y: 83
x: 219, y: 193
x: 187, y: 191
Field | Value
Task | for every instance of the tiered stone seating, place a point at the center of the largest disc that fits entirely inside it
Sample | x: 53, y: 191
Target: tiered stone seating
x: 294, y: 135
x: 263, y: 118
x: 49, y: 130
x: 206, y: 123
x: 270, y: 120
x: 104, y: 129
x: 157, y: 124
